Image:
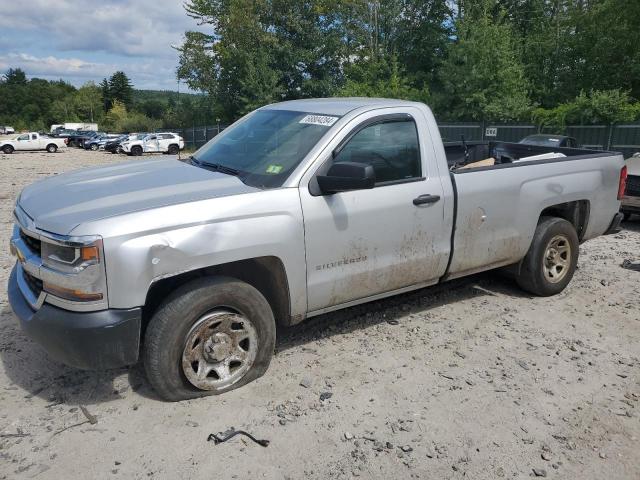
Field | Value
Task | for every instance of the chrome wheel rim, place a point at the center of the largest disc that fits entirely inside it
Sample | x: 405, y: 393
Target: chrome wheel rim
x: 219, y: 350
x: 557, y: 259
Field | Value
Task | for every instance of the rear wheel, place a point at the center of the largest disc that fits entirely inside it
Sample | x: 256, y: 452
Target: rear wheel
x: 173, y: 150
x: 52, y: 148
x: 8, y: 149
x: 626, y: 216
x: 552, y: 258
x: 94, y: 146
x: 136, y: 151
x: 212, y: 335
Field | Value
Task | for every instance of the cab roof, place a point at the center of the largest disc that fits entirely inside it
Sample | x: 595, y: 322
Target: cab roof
x: 337, y: 106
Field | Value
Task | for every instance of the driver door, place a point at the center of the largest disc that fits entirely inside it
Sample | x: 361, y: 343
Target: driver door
x: 151, y: 144
x: 369, y: 242
x: 23, y: 142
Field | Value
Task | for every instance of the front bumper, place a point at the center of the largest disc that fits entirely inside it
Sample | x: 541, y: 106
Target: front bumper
x: 88, y: 340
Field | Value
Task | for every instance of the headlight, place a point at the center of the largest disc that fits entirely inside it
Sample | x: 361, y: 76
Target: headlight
x: 74, y: 270
x: 69, y: 259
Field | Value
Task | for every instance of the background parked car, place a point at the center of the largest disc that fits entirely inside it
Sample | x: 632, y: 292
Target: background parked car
x: 6, y: 130
x: 32, y: 141
x: 164, y: 142
x: 64, y: 133
x: 114, y: 146
x: 562, y: 141
x: 99, y: 141
x: 631, y: 199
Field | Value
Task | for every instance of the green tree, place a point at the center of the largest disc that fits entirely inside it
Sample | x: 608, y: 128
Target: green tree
x: 483, y: 77
x: 596, y: 107
x: 86, y: 102
x: 105, y: 94
x: 382, y: 78
x: 121, y: 89
x: 234, y: 65
x: 15, y: 76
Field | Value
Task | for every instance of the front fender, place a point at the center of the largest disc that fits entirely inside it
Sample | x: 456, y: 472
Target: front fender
x: 143, y: 247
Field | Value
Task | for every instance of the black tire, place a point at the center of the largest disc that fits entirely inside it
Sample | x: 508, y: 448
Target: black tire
x: 52, y: 148
x: 173, y: 149
x: 626, y: 216
x: 170, y: 326
x: 136, y: 150
x: 534, y: 275
x: 8, y: 149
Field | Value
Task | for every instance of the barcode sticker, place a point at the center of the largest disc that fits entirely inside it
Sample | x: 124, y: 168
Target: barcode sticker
x: 324, y: 120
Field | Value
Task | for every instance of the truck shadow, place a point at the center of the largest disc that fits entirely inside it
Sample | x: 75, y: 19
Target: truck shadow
x: 632, y: 225
x: 30, y: 370
x: 32, y: 373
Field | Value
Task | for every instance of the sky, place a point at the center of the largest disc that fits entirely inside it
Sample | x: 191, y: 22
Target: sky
x: 87, y: 40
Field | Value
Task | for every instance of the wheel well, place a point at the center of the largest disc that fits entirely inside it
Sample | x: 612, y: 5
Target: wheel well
x: 50, y: 144
x: 577, y: 213
x: 266, y: 274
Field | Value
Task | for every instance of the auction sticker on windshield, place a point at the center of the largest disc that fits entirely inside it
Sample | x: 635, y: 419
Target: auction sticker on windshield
x: 324, y: 120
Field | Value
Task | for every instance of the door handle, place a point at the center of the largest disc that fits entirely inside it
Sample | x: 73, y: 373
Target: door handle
x: 424, y: 199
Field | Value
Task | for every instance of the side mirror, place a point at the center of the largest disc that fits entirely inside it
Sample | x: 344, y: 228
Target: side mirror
x: 346, y: 176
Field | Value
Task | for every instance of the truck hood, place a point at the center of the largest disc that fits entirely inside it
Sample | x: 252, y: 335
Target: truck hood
x: 61, y: 203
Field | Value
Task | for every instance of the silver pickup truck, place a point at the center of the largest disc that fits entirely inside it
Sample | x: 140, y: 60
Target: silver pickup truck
x: 298, y: 209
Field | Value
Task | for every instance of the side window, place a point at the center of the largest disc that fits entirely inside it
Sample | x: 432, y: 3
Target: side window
x: 24, y: 137
x: 391, y: 147
x: 34, y: 137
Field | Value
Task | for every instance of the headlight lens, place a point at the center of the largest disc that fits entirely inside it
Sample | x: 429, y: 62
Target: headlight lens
x: 74, y: 272
x: 69, y: 259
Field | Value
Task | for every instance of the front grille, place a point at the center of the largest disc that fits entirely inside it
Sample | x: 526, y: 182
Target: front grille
x: 33, y: 243
x: 633, y: 186
x: 35, y: 284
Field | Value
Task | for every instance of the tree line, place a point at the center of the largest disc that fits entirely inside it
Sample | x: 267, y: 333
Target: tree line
x: 553, y: 62
x: 550, y: 61
x: 36, y: 104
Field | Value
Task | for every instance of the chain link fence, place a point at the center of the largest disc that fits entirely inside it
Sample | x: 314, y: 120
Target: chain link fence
x: 620, y: 138
x: 195, y: 137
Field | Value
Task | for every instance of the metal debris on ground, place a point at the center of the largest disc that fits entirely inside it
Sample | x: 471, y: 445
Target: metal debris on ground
x: 629, y: 265
x: 92, y: 418
x: 223, y: 437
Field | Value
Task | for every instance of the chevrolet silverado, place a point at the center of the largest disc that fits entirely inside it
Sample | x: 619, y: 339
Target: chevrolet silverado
x: 298, y: 209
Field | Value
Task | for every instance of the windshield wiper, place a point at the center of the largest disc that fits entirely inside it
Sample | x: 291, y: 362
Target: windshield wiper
x: 215, y: 167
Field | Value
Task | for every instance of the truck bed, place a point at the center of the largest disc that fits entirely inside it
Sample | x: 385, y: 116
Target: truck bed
x: 460, y: 154
x: 497, y: 206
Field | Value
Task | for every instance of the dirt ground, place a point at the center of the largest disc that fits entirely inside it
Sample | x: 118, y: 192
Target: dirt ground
x: 469, y: 379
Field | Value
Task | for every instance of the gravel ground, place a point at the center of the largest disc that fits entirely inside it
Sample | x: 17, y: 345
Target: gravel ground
x: 473, y: 378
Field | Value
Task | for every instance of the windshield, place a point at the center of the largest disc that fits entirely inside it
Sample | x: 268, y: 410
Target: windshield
x: 265, y: 148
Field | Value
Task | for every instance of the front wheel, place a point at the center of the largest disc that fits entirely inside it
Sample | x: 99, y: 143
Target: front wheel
x: 94, y: 147
x: 210, y: 336
x: 136, y: 151
x: 552, y: 258
x: 51, y: 148
x: 8, y: 149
